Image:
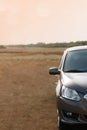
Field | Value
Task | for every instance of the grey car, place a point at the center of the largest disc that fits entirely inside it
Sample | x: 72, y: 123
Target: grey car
x: 71, y: 90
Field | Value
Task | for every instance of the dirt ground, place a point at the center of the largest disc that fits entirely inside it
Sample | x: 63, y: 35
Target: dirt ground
x: 27, y: 91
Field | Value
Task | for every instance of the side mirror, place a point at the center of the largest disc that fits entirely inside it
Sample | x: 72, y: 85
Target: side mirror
x: 54, y: 71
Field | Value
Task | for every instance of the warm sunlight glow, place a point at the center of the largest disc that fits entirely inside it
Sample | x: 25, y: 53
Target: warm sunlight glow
x: 43, y: 9
x: 32, y: 21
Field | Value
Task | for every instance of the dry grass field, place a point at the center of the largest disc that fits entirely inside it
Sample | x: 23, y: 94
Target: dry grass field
x: 27, y: 91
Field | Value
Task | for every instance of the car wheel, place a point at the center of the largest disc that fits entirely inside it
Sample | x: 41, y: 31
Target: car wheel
x: 61, y: 125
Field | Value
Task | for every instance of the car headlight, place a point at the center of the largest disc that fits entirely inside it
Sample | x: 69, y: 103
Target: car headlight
x: 69, y: 94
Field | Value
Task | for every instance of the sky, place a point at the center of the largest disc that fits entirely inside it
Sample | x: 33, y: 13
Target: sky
x: 33, y: 21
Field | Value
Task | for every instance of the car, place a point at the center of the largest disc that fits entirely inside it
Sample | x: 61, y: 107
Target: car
x: 71, y: 89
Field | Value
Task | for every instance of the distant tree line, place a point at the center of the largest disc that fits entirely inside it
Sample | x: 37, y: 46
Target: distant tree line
x: 2, y: 47
x: 50, y: 45
x: 57, y: 44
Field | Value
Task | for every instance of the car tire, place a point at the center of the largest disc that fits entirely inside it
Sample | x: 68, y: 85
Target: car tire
x: 61, y: 125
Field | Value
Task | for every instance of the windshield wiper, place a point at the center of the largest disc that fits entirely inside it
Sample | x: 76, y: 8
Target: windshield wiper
x: 75, y: 71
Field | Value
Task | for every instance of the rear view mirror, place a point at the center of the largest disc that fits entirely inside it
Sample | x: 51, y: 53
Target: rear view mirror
x: 54, y: 71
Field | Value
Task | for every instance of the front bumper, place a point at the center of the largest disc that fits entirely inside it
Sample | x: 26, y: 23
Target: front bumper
x: 72, y: 112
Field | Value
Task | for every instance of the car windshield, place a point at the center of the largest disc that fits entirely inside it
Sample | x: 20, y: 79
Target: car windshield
x: 76, y: 61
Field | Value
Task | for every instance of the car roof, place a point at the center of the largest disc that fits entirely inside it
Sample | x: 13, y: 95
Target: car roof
x: 76, y: 48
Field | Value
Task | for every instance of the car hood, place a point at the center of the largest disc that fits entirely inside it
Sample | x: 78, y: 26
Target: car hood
x: 77, y: 81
